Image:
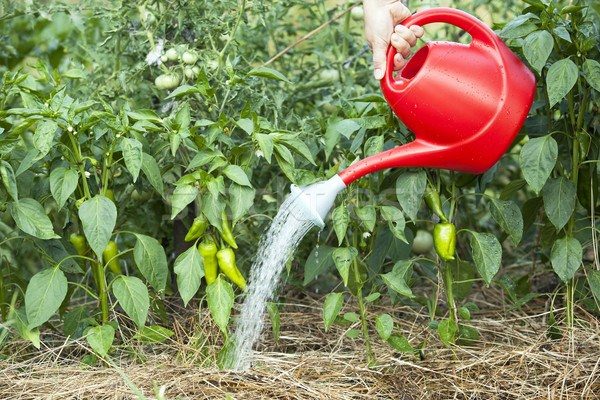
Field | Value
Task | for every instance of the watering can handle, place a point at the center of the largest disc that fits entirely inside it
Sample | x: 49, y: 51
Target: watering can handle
x: 480, y: 33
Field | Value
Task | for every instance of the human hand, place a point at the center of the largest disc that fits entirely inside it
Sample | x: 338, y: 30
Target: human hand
x: 382, y: 19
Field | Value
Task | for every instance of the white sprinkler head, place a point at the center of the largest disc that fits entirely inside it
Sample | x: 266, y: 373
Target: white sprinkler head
x: 317, y: 199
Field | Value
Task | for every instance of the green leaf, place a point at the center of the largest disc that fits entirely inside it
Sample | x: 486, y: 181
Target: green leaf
x: 237, y: 175
x: 400, y: 343
x: 559, y: 200
x: 273, y: 312
x: 182, y: 91
x: 487, y: 254
x: 100, y: 338
x: 63, y: 182
x: 246, y: 125
x: 384, y: 324
x: 43, y: 137
x: 153, y: 334
x: 319, y: 261
x: 410, y: 187
x: 537, y: 48
x: 594, y: 281
x: 241, y: 199
x: 562, y: 33
x: 447, y: 330
x: 351, y: 317
x: 538, y: 157
x: 265, y: 143
x: 561, y: 77
x: 30, y: 217
x: 132, y: 295
x: 342, y: 258
x: 182, y: 196
x: 98, y: 216
x: 566, y: 257
x: 396, y: 278
x: 202, y: 158
x: 372, y: 297
x: 368, y: 216
x: 27, y: 161
x: 331, y: 308
x: 373, y: 145
x: 189, y: 270
x: 152, y: 171
x: 335, y: 129
x: 21, y: 325
x: 508, y: 215
x: 341, y: 219
x: 133, y: 155
x: 45, y: 292
x: 8, y: 179
x: 151, y: 260
x: 519, y: 26
x: 301, y: 148
x: 395, y: 220
x: 464, y: 313
x: 219, y: 296
x: 591, y: 72
x: 269, y: 73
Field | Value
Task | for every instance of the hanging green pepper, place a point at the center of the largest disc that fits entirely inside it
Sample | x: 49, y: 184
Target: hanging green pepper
x: 226, y: 258
x: 432, y: 199
x: 226, y: 231
x: 444, y: 240
x: 208, y: 252
x: 110, y: 255
x: 110, y: 195
x: 197, y: 229
x: 79, y: 243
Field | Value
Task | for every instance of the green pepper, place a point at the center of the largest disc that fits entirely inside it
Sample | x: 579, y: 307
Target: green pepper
x: 110, y: 256
x: 110, y: 195
x: 226, y: 259
x: 79, y: 243
x: 226, y: 231
x: 432, y: 199
x: 444, y: 240
x: 208, y: 252
x: 197, y: 229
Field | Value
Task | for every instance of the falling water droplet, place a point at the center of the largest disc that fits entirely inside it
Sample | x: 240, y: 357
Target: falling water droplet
x: 317, y: 246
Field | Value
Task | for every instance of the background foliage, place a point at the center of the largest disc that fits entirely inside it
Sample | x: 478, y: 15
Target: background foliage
x: 93, y: 144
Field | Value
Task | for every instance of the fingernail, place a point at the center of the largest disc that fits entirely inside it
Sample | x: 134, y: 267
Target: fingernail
x: 378, y: 73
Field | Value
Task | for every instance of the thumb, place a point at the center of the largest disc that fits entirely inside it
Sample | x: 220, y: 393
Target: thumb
x: 379, y: 58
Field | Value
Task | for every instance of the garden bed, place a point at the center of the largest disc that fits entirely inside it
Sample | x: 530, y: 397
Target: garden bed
x: 515, y: 359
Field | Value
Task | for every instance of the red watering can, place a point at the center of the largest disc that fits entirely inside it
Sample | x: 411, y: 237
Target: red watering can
x: 464, y: 103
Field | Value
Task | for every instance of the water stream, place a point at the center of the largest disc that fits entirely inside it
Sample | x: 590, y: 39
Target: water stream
x: 275, y: 248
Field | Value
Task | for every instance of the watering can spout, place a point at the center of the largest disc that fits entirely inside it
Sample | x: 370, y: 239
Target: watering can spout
x: 313, y: 202
x: 414, y: 154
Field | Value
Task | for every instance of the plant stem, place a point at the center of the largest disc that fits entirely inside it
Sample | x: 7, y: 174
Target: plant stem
x: 100, y: 278
x: 448, y: 281
x: 80, y: 164
x: 365, y: 329
x: 569, y: 304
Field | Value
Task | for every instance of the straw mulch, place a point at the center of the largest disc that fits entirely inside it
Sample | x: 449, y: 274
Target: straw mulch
x: 514, y: 360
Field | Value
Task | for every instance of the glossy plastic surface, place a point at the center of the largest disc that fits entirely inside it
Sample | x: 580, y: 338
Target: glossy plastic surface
x: 464, y: 103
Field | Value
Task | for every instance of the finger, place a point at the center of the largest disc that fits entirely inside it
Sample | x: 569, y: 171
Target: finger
x: 399, y: 12
x: 399, y: 62
x: 399, y: 43
x: 405, y: 54
x: 406, y: 34
x: 417, y: 30
x: 379, y: 59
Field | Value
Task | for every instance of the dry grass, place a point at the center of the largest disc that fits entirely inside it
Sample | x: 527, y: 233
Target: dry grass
x: 515, y: 360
